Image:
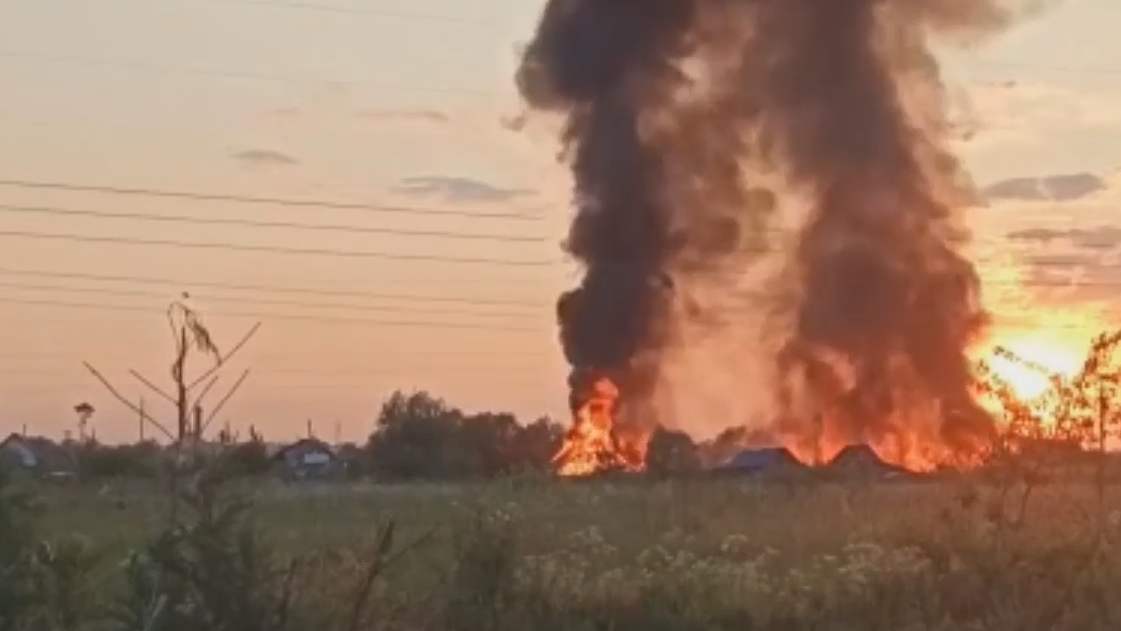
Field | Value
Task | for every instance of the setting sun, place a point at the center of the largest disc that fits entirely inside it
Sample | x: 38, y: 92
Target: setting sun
x: 1029, y: 381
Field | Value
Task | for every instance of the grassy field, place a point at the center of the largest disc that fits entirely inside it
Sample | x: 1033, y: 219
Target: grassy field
x: 700, y: 554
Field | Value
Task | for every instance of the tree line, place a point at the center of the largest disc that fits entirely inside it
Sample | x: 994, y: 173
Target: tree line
x: 415, y: 436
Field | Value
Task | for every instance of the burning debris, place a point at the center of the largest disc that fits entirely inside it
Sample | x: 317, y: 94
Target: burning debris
x: 675, y: 111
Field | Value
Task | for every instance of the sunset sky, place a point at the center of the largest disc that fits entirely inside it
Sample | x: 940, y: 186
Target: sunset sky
x: 402, y: 104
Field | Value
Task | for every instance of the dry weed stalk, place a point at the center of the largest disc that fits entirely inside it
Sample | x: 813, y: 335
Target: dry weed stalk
x: 190, y: 335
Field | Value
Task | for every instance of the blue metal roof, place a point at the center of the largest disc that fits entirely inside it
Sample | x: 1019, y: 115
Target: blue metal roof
x: 755, y: 459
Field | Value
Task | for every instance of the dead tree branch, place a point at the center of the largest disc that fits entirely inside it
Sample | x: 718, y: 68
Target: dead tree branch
x: 151, y: 386
x: 222, y: 360
x: 206, y: 390
x: 127, y: 403
x: 221, y: 403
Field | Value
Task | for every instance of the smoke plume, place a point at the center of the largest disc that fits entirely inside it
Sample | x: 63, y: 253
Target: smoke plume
x: 678, y: 111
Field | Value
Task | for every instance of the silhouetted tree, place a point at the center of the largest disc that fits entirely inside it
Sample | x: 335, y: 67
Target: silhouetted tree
x: 483, y: 445
x: 536, y: 444
x: 414, y: 437
x: 419, y: 436
x: 671, y: 452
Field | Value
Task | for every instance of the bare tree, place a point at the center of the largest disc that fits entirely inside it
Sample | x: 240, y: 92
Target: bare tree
x: 187, y: 396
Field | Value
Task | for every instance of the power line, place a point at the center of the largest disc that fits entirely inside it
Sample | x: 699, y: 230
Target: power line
x: 497, y: 327
x: 272, y: 249
x: 224, y: 221
x: 99, y: 214
x: 271, y: 201
x: 217, y: 73
x: 412, y: 310
x: 379, y: 352
x: 349, y: 10
x: 180, y: 283
x: 124, y: 293
x: 343, y: 293
x: 522, y: 363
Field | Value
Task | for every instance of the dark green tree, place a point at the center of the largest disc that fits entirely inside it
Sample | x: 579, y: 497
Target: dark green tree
x: 536, y: 444
x: 414, y: 437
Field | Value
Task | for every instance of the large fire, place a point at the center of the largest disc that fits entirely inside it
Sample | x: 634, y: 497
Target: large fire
x: 1027, y: 365
x: 594, y: 444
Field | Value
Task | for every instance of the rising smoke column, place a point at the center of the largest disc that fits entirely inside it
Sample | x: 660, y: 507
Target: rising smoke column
x: 850, y: 104
x: 666, y: 100
x: 609, y: 68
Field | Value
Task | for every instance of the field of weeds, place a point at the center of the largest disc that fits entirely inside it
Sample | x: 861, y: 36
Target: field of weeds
x: 537, y: 554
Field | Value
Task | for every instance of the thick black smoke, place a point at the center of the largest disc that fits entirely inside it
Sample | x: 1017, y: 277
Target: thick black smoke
x: 610, y: 67
x: 666, y: 101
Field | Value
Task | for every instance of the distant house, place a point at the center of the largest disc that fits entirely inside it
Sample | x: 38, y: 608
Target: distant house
x: 862, y: 460
x: 38, y: 456
x: 767, y: 460
x: 308, y: 459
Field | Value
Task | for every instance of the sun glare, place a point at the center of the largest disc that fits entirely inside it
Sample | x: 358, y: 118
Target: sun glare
x: 1052, y: 356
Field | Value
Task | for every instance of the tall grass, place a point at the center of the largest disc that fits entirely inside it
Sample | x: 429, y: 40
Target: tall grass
x: 534, y: 554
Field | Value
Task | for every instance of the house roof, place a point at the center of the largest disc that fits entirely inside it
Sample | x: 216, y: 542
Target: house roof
x: 862, y: 458
x: 766, y: 458
x: 306, y: 444
x: 49, y: 455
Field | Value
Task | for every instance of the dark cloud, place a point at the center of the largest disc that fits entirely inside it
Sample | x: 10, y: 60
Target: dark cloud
x: 417, y: 115
x: 458, y: 189
x: 1092, y: 238
x: 1067, y: 272
x: 264, y: 157
x: 1060, y: 188
x: 1060, y: 261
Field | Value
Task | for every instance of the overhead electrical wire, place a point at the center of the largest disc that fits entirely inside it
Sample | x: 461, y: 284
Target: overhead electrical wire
x: 309, y: 291
x: 345, y: 10
x: 262, y: 200
x: 217, y: 73
x: 148, y: 67
x: 275, y: 249
x: 496, y: 326
x: 254, y: 223
x: 124, y: 293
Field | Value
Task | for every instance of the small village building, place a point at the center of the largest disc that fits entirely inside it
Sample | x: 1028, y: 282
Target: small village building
x: 862, y: 461
x: 763, y: 461
x: 308, y: 459
x: 38, y: 456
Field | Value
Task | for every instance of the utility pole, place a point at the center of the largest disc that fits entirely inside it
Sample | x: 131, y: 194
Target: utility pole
x: 141, y: 422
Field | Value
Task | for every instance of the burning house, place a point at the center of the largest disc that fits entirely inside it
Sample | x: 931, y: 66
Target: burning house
x: 797, y: 146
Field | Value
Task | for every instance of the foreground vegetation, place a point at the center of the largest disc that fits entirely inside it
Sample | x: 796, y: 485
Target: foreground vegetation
x: 543, y: 554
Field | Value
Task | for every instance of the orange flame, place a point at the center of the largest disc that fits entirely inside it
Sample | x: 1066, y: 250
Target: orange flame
x: 594, y: 444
